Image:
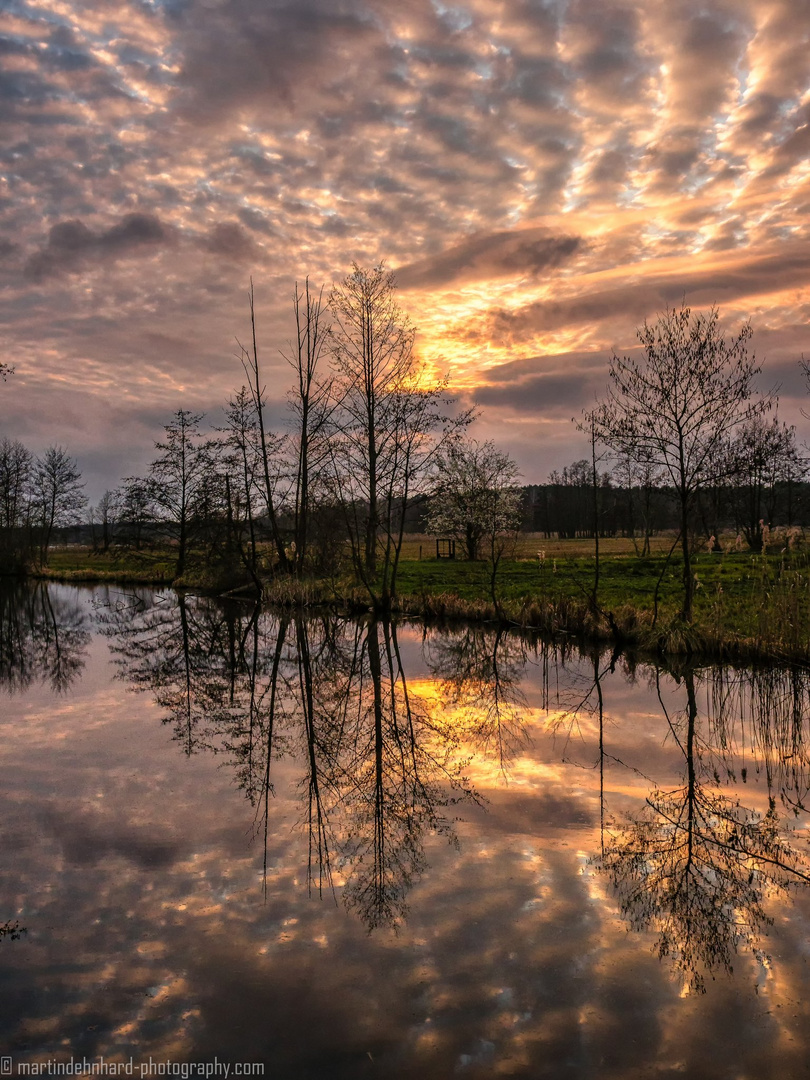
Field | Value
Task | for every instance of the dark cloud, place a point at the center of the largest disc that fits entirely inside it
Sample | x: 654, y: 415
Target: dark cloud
x: 550, y: 395
x: 523, y: 252
x: 643, y: 298
x: 230, y: 241
x: 539, y: 812
x: 607, y: 58
x: 539, y: 81
x: 72, y: 245
x: 244, y: 55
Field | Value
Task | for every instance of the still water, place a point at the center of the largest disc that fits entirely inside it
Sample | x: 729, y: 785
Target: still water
x: 352, y: 849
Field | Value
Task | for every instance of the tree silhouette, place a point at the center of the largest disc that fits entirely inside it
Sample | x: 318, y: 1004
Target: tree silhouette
x: 673, y: 408
x: 58, y: 496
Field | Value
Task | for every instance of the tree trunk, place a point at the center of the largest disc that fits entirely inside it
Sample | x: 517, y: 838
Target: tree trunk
x: 688, y: 584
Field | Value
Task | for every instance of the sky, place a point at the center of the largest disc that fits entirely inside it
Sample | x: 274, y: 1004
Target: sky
x: 541, y: 175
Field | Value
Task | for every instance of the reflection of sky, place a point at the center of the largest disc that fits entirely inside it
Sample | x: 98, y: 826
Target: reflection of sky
x: 543, y: 175
x: 137, y: 874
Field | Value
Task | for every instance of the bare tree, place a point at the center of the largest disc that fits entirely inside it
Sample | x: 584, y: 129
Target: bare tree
x: 136, y: 511
x: 250, y: 362
x: 372, y: 356
x: 310, y: 402
x: 388, y: 423
x: 674, y: 406
x: 16, y: 465
x: 58, y: 496
x: 16, y: 474
x: 178, y: 480
x: 243, y: 461
x: 103, y: 519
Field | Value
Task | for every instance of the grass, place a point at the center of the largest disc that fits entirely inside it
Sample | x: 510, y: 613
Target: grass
x: 745, y: 605
x: 83, y: 564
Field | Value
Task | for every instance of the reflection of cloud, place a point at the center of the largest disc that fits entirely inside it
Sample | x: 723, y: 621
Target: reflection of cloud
x: 510, y: 957
x: 87, y: 840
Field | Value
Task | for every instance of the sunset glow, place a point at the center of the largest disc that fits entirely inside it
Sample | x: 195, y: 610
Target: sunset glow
x: 543, y: 176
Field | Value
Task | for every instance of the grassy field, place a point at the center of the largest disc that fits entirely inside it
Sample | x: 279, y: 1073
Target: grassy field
x: 416, y: 546
x: 80, y: 563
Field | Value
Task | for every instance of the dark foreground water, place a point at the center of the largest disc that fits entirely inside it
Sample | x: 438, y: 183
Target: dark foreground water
x: 346, y: 849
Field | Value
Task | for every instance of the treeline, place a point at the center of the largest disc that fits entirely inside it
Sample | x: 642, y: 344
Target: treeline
x: 365, y: 437
x: 760, y: 489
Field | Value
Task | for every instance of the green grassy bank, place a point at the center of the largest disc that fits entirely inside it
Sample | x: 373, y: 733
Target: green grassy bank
x: 746, y: 606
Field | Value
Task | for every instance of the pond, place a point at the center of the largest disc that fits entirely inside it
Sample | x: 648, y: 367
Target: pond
x: 340, y: 848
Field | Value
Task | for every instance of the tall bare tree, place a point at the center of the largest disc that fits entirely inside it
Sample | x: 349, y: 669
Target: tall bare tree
x: 676, y: 404
x: 243, y: 461
x: 372, y: 356
x: 388, y: 424
x: 311, y: 405
x: 250, y: 362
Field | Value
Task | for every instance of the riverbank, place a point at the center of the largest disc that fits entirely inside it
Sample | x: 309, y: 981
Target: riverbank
x: 747, y: 607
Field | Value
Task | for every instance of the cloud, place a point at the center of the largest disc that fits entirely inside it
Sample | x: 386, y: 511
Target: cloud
x: 547, y: 394
x: 636, y: 300
x: 543, y: 174
x: 244, y: 55
x: 89, y: 839
x: 523, y: 252
x: 72, y: 245
x: 230, y: 241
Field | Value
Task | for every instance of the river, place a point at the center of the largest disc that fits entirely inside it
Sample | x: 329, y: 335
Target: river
x: 342, y: 848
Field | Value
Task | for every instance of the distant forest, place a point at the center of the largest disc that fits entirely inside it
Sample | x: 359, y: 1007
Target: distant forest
x: 564, y: 510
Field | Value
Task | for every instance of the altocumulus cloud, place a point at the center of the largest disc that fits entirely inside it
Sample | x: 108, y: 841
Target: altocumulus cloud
x: 544, y: 175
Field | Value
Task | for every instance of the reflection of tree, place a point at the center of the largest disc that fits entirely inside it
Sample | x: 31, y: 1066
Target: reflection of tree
x: 12, y: 930
x: 761, y: 720
x: 696, y: 865
x: 43, y: 636
x: 377, y: 769
x: 392, y: 774
x: 480, y: 671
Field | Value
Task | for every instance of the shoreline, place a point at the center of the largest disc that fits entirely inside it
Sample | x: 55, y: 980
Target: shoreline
x: 624, y: 626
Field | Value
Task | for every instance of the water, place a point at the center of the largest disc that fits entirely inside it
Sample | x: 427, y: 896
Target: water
x: 347, y: 849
